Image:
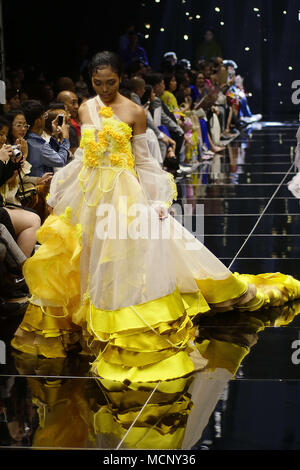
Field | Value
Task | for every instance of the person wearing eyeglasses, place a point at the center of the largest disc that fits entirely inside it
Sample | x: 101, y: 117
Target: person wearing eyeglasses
x: 42, y: 155
x: 16, y: 136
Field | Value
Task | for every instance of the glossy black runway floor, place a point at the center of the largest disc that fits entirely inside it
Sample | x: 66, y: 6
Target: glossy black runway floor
x: 249, y: 398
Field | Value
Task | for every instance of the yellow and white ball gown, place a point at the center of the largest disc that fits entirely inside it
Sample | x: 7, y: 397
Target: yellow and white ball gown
x: 130, y: 299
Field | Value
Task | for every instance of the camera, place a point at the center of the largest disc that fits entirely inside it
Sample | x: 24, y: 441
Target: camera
x: 16, y: 151
x: 60, y: 119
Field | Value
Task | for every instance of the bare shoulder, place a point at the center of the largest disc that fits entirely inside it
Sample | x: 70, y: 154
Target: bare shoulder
x: 132, y: 107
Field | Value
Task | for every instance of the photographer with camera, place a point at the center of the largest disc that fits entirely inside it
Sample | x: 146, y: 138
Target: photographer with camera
x: 42, y: 155
x: 21, y: 224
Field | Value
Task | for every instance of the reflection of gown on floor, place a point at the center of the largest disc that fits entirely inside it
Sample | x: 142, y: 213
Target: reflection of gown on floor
x: 131, y: 295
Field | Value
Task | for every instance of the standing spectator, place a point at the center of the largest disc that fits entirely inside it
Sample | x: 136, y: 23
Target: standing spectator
x: 208, y: 48
x: 133, y: 51
x: 41, y: 154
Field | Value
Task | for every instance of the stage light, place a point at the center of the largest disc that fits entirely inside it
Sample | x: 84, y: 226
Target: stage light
x: 187, y: 13
x: 290, y: 67
x: 284, y: 12
x: 258, y: 15
x: 279, y: 83
x: 146, y: 36
x: 157, y: 1
x: 247, y: 48
x: 222, y: 23
x: 217, y: 9
x: 250, y: 94
x: 185, y: 37
x: 198, y: 17
x: 162, y: 29
x: 255, y: 9
x: 281, y: 102
x: 265, y: 39
x: 190, y: 17
x: 147, y: 26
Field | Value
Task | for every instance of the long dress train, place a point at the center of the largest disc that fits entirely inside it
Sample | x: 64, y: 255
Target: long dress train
x: 110, y: 275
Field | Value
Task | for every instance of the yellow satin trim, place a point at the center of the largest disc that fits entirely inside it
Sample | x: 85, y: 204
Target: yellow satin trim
x: 222, y: 355
x: 170, y: 387
x: 177, y: 365
x: 138, y: 437
x: 165, y: 309
x: 216, y: 291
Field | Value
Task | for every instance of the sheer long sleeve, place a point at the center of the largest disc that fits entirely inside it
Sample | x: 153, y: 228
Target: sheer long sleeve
x: 158, y: 185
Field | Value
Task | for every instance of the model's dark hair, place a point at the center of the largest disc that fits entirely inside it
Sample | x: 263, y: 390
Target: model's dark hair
x: 105, y: 59
x: 10, y: 117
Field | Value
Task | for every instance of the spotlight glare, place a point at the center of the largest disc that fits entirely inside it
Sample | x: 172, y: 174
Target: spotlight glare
x: 147, y: 26
x: 157, y: 1
x: 146, y: 36
x: 255, y: 9
x: 279, y: 83
x: 162, y: 29
x: 217, y: 9
x: 222, y: 23
x: 198, y: 17
x: 290, y: 67
x: 284, y: 12
x: 185, y: 37
x: 187, y: 13
x: 247, y: 48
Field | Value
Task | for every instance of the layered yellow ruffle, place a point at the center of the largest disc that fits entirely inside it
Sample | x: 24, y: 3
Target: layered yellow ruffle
x: 160, y: 426
x: 139, y: 343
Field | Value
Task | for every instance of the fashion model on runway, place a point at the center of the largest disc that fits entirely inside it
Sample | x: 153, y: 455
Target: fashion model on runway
x: 98, y: 281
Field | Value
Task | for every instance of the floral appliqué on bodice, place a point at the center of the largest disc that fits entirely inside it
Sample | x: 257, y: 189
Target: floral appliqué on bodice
x: 110, y: 146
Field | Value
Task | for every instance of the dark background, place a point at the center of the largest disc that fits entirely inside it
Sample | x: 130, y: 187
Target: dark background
x: 49, y: 35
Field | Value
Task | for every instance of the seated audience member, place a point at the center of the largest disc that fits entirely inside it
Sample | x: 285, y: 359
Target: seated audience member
x: 82, y: 89
x: 42, y: 155
x: 70, y: 101
x: 11, y: 260
x: 22, y: 224
x: 137, y: 68
x: 169, y: 62
x: 198, y: 89
x: 164, y: 117
x: 21, y: 188
x: 138, y: 86
x: 164, y: 140
x: 12, y: 100
x: 168, y: 96
x: 65, y: 83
